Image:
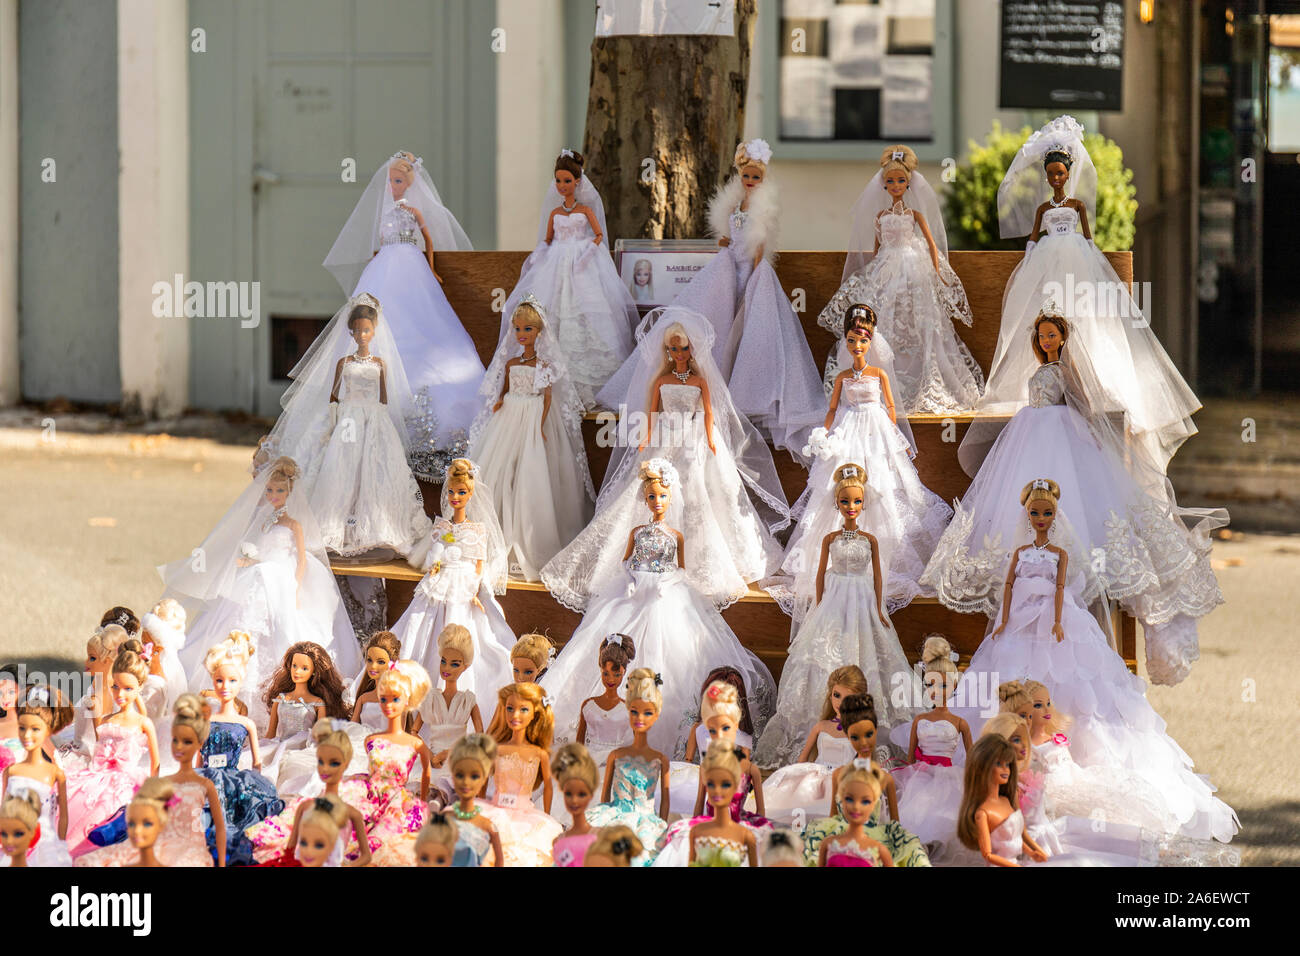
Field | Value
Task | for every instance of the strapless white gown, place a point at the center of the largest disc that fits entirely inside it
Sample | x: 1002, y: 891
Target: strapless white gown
x: 929, y: 795
x: 801, y: 792
x: 49, y: 849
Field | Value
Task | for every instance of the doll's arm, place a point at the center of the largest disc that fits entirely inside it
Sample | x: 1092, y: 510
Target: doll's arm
x: 1061, y: 570
x: 547, y: 784
x: 383, y: 381
x: 300, y: 542
x: 929, y: 239
x: 756, y: 779
x: 320, y: 710
x: 505, y: 386
x: 151, y: 738
x: 692, y: 751
x: 355, y: 717
x: 888, y: 394
x: 876, y: 248
x: 498, y: 854
x: 425, y: 758
x: 476, y: 720
x: 891, y: 796
x: 550, y: 225
x: 681, y: 550
x: 1036, y: 852
x: 986, y: 841
x: 546, y: 407
x: 699, y: 797
x: 835, y: 402
x: 1006, y: 593
x: 912, y: 743
x: 252, y: 743
x: 218, y: 815
x: 595, y: 224
x: 1083, y: 219
x: 751, y: 845
x: 821, y: 564
x: 835, y: 789
x: 821, y: 852
x: 809, y: 746
x: 63, y: 803
x: 878, y: 580
x: 963, y: 729
x: 886, y: 858
x: 707, y: 402
x: 293, y: 832
x: 338, y: 379
x: 274, y: 724
x: 1038, y: 221
x: 654, y: 416
x: 359, y: 831
x: 665, y: 792
x: 609, y: 777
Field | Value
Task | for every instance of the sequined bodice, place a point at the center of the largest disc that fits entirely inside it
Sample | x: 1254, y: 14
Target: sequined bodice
x: 896, y: 228
x: 1008, y: 838
x: 834, y: 751
x: 937, y: 738
x: 225, y: 740
x: 468, y: 536
x: 523, y: 380
x: 681, y: 399
x: 718, y: 851
x: 635, y: 780
x: 1037, y: 563
x: 850, y: 557
x: 295, y: 716
x: 737, y: 222
x: 571, y: 227
x: 1060, y: 222
x: 1047, y: 386
x: 390, y: 765
x: 606, y: 729
x: 861, y: 391
x: 515, y: 775
x: 653, y: 549
x: 399, y: 225
x: 360, y: 385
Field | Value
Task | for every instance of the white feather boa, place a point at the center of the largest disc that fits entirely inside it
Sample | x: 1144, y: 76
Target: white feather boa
x: 764, y: 213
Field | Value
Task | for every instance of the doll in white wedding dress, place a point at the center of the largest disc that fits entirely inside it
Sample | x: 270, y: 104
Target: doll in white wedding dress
x: 387, y: 248
x: 898, y: 264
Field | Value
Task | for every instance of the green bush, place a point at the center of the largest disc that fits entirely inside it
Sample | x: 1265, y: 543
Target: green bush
x: 971, y: 202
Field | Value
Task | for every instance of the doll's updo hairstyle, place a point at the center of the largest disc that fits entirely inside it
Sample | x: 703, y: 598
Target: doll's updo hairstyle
x: 729, y: 675
x: 284, y: 469
x: 106, y: 640
x: 363, y: 310
x: 873, y: 777
x: 856, y: 709
x: 130, y: 660
x: 123, y: 617
x: 744, y: 157
x: 573, y: 762
x: 616, y: 649
x: 234, y: 651
x: 536, y: 648
x: 45, y: 702
x: 407, y: 678
x: 460, y: 472
x: 571, y: 161
x: 439, y: 831
x: 860, y: 316
x: 454, y: 637
x: 1041, y: 489
x: 618, y: 842
x: 936, y: 656
x: 720, y: 699
x: 850, y: 676
x: 188, y: 712
x: 1058, y: 154
x: 480, y: 748
x: 780, y: 847
x: 643, y: 684
x: 653, y: 471
x: 23, y: 806
x: 327, y: 812
x: 324, y: 734
x: 1056, y: 319
x: 986, y: 754
x: 155, y: 793
x: 1013, y: 698
x: 849, y: 475
x: 324, y: 682
x: 720, y: 756
x: 898, y: 157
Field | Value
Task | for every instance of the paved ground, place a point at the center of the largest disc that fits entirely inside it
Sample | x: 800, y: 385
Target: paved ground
x: 89, y: 516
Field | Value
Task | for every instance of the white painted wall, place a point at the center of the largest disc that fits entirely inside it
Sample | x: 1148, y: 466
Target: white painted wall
x: 10, y: 385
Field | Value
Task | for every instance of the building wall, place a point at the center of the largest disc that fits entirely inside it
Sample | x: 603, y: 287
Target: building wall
x: 68, y: 273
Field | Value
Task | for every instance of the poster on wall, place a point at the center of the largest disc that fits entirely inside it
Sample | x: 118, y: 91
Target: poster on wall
x: 661, y: 18
x: 655, y: 270
x: 1061, y: 57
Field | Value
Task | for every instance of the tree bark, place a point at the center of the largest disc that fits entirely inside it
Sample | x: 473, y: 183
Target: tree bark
x: 664, y: 117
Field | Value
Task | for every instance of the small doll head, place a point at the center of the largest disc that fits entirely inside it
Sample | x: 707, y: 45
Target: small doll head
x: 146, y: 814
x: 1041, y: 498
x: 568, y: 172
x: 318, y: 830
x: 308, y: 663
x: 102, y: 648
x: 362, y: 322
x: 1056, y: 166
x: 1014, y: 699
x: 850, y: 490
x: 227, y: 663
x: 523, y: 707
x: 859, y: 327
x: 992, y: 761
x: 124, y: 618
x: 780, y: 847
x: 677, y: 352
x: 458, y: 486
x: 1048, y: 334
x: 401, y: 173
x: 1044, y: 719
x: 614, y: 846
x: 10, y: 681
x: 577, y: 777
x: 720, y: 771
x: 530, y: 657
x: 939, y: 674
x: 858, y: 718
x: 616, y: 652
x: 455, y: 651
x: 751, y: 162
x: 843, y: 683
x: 471, y: 764
x: 130, y: 671
x: 333, y: 750
x: 897, y: 163
x: 381, y: 650
x: 644, y: 699
x: 401, y: 687
x: 164, y: 628
x: 18, y: 815
x: 189, y: 727
x: 730, y: 675
x: 41, y: 712
x: 859, y: 790
x: 1014, y: 729
x: 642, y: 270
x: 720, y: 712
x: 435, y: 844
x: 284, y: 472
x: 262, y: 455
x: 658, y: 478
x: 527, y: 322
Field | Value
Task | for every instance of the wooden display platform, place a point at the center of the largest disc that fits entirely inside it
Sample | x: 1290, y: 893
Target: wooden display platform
x: 476, y: 284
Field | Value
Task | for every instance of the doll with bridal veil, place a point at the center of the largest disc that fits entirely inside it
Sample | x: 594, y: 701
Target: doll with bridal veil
x: 898, y: 264
x: 344, y: 422
x: 759, y: 344
x: 1049, y: 194
x: 1146, y: 552
x: 262, y: 570
x: 387, y: 248
x: 674, y: 405
x: 465, y: 568
x: 527, y: 441
x: 571, y: 273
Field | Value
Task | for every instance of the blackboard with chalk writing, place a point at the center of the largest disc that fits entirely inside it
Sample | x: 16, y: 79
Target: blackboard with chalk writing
x: 1059, y: 55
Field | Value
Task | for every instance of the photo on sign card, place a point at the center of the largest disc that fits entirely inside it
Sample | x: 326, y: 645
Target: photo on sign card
x: 656, y: 270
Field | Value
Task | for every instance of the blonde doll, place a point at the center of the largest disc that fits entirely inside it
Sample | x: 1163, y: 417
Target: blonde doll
x: 162, y: 631
x: 471, y: 763
x: 19, y: 825
x: 317, y: 834
x: 578, y: 778
x: 523, y: 727
x: 780, y: 847
x: 436, y: 843
x: 642, y: 285
x: 146, y: 820
x: 41, y: 712
x: 602, y: 719
x: 615, y: 845
x: 530, y: 657
x: 451, y: 708
x: 126, y: 751
x: 859, y: 790
x: 989, y: 820
x: 76, y: 742
x: 720, y: 840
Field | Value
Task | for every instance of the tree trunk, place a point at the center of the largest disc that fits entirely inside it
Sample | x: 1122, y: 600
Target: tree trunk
x: 664, y: 117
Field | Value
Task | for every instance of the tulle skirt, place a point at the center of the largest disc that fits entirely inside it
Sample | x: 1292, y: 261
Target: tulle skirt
x: 247, y: 798
x: 929, y: 797
x: 538, y: 490
x: 678, y: 634
x: 798, y: 792
x: 94, y: 796
x: 640, y: 817
x: 527, y: 834
x: 441, y: 363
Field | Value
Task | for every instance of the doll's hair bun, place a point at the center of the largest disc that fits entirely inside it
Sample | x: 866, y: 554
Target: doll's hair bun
x: 859, y: 315
x: 130, y: 660
x: 618, y: 842
x: 755, y: 152
x: 329, y: 732
x: 439, y: 831
x: 872, y: 776
x: 156, y: 792
x: 571, y: 161
x: 617, y: 649
x: 643, y: 684
x: 856, y: 708
x: 284, y: 468
x: 455, y: 637
x: 1059, y: 153
x: 536, y: 648
x: 235, y: 650
x: 899, y: 156
x: 720, y: 756
x: 850, y: 475
x: 461, y: 471
x: 188, y: 712
x: 123, y: 617
x: 574, y: 762
x: 46, y: 702
x: 24, y: 806
x: 780, y: 846
x: 1041, y: 489
x: 720, y: 698
x: 937, y: 655
x: 365, y: 306
x: 479, y: 748
x: 1013, y: 696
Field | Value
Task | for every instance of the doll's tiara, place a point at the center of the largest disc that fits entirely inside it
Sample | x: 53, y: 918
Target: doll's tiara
x: 567, y: 152
x: 862, y: 763
x: 897, y: 155
x: 1039, y: 484
x: 1050, y: 310
x: 415, y: 161
x: 533, y: 303
x: 365, y: 298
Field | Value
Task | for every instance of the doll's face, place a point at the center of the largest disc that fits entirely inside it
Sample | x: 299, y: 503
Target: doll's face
x: 519, y: 713
x: 314, y: 845
x: 1001, y: 772
x: 458, y: 495
x: 896, y: 183
x: 838, y: 693
x: 752, y: 176
x: 721, y: 727
x: 1040, y: 710
x: 362, y: 331
x: 937, y: 687
x: 125, y: 690
x: 524, y: 322
x: 657, y: 497
x: 850, y: 501
x: 566, y: 183
x: 301, y: 669
x: 431, y: 853
x: 97, y: 662
x: 577, y: 795
x: 719, y: 787
x: 1050, y: 338
x: 679, y: 350
x: 32, y: 731
x: 225, y: 682
x: 399, y: 180
x: 142, y: 825
x: 857, y: 341
x: 330, y: 764
x: 1042, y: 514
x: 862, y: 736
x: 611, y: 674
x: 185, y: 743
x: 277, y: 493
x: 8, y: 692
x: 858, y: 801
x: 377, y: 661
x: 641, y: 273
x: 1057, y: 175
x: 451, y: 663
x: 392, y: 703
x: 641, y: 715
x: 15, y: 836
x: 468, y: 778
x: 525, y: 670
x: 1021, y: 744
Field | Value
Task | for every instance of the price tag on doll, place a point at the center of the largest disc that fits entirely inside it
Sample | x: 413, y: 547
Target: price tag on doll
x: 506, y: 800
x: 216, y: 761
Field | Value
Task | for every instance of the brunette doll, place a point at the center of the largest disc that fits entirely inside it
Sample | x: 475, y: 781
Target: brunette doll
x: 989, y: 820
x: 381, y: 650
x: 615, y: 845
x: 861, y: 787
x: 471, y: 763
x: 41, y: 712
x: 602, y: 719
x: 306, y: 688
x: 578, y: 779
x: 721, y: 840
x: 523, y: 727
